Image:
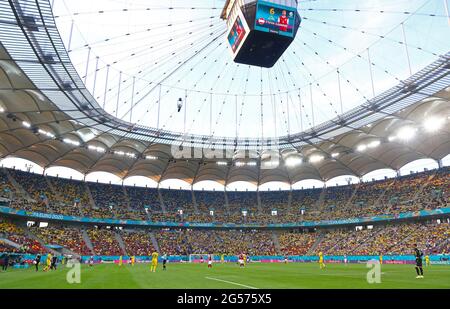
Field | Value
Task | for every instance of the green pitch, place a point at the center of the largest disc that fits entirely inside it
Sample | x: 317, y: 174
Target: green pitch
x: 228, y: 276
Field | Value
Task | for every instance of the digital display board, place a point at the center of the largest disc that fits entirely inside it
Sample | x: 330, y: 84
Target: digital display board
x: 275, y: 18
x: 236, y: 35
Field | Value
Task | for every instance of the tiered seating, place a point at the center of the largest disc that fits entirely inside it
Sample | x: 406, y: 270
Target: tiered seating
x: 172, y: 242
x: 18, y: 235
x: 110, y: 200
x: 72, y: 195
x: 141, y: 198
x: 35, y: 185
x: 429, y: 190
x: 275, y: 200
x: 104, y: 242
x: 177, y: 199
x: 186, y: 242
x: 6, y: 189
x: 137, y: 243
x: 296, y: 243
x: 207, y: 200
x: 398, y: 239
x: 239, y: 201
x: 70, y: 238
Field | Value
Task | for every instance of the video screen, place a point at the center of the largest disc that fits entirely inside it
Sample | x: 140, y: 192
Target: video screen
x: 236, y: 35
x: 275, y: 18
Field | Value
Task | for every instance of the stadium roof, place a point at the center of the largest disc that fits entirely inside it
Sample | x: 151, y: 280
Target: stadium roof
x: 49, y: 117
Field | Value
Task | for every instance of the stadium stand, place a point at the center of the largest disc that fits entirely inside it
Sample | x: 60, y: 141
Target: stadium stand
x: 427, y: 190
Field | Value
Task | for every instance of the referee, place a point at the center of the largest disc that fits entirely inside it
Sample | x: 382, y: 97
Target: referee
x: 37, y: 260
x: 164, y: 261
x: 419, y: 269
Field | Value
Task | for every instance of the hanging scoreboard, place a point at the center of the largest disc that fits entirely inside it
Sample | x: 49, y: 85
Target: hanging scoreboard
x: 275, y: 18
x: 260, y: 31
x: 238, y: 32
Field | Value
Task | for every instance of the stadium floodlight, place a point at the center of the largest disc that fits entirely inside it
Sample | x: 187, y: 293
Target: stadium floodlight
x: 361, y: 148
x: 293, y: 161
x: 239, y: 163
x: 374, y: 144
x: 2, y: 110
x: 26, y: 124
x: 150, y: 157
x: 335, y: 154
x: 252, y: 163
x: 71, y: 142
x: 392, y: 138
x: 221, y: 163
x: 316, y: 158
x: 433, y: 124
x: 406, y: 133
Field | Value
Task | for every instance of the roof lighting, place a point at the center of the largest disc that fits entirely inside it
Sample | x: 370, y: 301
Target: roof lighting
x: 127, y: 154
x: 406, y: 133
x: 221, y: 163
x: 271, y: 163
x: 374, y: 144
x: 71, y: 142
x: 150, y: 157
x: 96, y: 148
x: 316, y: 158
x: 433, y: 124
x: 48, y: 134
x: 335, y: 154
x: 361, y: 148
x: 392, y: 138
x: 293, y: 161
x: 26, y: 124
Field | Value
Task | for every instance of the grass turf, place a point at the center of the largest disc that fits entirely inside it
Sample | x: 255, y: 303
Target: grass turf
x: 228, y: 276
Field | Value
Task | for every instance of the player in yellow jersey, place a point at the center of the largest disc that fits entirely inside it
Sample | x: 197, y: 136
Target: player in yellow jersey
x: 120, y: 261
x: 154, y: 261
x: 381, y: 259
x: 222, y: 259
x: 48, y: 262
x: 133, y: 260
x: 427, y: 260
x: 245, y: 259
x: 321, y: 263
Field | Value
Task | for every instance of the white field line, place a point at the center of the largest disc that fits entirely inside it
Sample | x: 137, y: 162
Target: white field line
x: 230, y: 282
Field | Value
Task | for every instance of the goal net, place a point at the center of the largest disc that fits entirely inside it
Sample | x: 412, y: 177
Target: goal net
x: 198, y: 258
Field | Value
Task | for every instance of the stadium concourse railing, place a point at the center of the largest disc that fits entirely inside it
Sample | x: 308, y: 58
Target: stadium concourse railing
x: 422, y: 214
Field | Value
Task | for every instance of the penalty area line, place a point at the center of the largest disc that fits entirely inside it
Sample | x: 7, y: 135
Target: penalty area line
x: 230, y: 282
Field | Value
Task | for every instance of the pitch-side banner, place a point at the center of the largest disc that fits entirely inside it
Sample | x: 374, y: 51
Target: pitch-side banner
x: 366, y: 220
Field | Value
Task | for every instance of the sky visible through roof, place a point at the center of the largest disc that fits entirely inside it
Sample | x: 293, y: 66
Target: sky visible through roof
x: 174, y: 50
